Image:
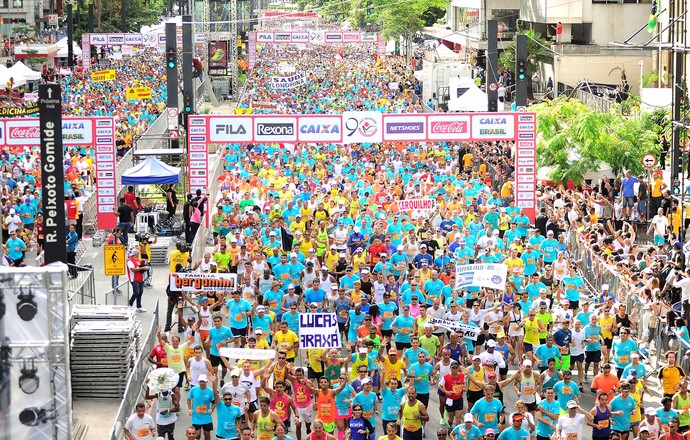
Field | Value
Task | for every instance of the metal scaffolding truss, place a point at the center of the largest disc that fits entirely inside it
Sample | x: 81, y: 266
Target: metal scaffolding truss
x: 44, y: 342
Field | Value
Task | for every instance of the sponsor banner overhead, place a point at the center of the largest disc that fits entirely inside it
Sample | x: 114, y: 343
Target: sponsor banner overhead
x: 202, y: 282
x: 115, y: 39
x: 289, y: 82
x: 317, y: 37
x: 318, y: 330
x: 138, y: 92
x: 360, y: 127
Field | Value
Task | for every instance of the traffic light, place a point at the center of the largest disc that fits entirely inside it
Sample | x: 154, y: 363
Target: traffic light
x: 187, y: 101
x: 493, y: 105
x: 171, y: 58
x: 521, y: 69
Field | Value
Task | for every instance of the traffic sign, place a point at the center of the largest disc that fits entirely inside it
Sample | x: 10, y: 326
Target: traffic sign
x: 173, y: 134
x: 173, y: 123
x: 493, y: 87
x: 114, y: 259
x: 521, y: 109
x: 649, y: 160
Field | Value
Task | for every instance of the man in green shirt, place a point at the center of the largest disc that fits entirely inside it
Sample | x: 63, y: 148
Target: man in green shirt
x: 222, y: 258
x: 544, y: 316
x: 429, y: 341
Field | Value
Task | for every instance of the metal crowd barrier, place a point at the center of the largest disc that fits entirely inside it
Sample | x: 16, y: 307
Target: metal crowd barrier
x: 134, y: 389
x: 204, y: 234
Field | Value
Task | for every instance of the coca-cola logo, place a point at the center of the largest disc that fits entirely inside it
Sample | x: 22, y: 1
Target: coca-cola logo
x: 24, y: 132
x: 449, y: 127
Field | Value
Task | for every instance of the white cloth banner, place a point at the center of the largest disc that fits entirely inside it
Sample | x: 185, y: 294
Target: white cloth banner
x: 289, y: 82
x: 416, y: 204
x: 252, y: 354
x: 204, y: 282
x: 318, y: 330
x: 492, y: 276
x: 686, y: 248
x: 467, y: 331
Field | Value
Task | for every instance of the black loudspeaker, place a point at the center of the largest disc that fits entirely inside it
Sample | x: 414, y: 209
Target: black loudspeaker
x: 28, y: 381
x: 26, y: 307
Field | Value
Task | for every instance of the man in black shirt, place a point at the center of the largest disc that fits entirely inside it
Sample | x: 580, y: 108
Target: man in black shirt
x: 125, y: 218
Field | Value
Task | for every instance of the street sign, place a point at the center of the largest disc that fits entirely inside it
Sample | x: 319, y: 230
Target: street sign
x: 649, y: 160
x: 173, y: 122
x: 52, y: 176
x: 173, y: 134
x: 114, y: 259
x: 493, y: 87
x: 521, y: 109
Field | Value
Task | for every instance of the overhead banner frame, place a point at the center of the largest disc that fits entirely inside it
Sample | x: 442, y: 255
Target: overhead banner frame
x: 371, y: 127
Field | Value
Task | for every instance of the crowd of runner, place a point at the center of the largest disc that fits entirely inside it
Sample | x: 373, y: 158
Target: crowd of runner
x: 316, y: 228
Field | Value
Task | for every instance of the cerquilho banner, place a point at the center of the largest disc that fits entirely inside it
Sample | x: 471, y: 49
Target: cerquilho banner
x: 289, y: 82
x: 416, y: 205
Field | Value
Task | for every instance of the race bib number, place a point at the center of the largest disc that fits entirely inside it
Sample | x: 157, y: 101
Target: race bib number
x: 567, y: 390
x: 301, y: 398
x: 175, y: 358
x: 457, y: 388
x: 496, y: 329
x: 474, y: 294
x: 571, y: 436
x: 593, y: 338
x: 514, y: 328
x: 606, y: 327
x: 490, y: 418
x: 264, y: 437
x: 143, y: 432
x: 238, y: 317
x: 528, y: 390
x: 204, y: 322
x: 326, y: 411
x: 603, y: 424
x: 387, y: 315
x: 405, y: 331
x: 343, y: 314
x: 368, y: 414
x: 623, y: 359
x: 201, y: 409
x: 411, y: 427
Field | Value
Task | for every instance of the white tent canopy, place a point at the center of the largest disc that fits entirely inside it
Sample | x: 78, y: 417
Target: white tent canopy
x: 470, y: 99
x: 5, y: 76
x: 62, y: 48
x: 21, y: 69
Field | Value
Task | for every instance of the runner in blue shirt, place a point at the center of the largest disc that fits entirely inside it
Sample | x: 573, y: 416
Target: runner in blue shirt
x: 237, y: 311
x: 467, y: 430
x: 228, y: 415
x: 549, y: 411
x: 516, y: 431
x: 622, y: 350
x: 402, y: 327
x: 622, y: 407
x: 487, y: 410
x: 200, y: 404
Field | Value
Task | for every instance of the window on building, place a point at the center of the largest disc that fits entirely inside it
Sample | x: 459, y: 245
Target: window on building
x: 4, y: 4
x: 17, y: 3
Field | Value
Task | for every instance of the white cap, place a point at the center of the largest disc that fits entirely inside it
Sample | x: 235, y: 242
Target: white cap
x: 291, y: 286
x: 649, y: 411
x: 272, y: 234
x: 260, y: 309
x: 356, y: 229
x: 334, y: 286
x: 12, y: 211
x: 527, y: 363
x: 293, y: 255
x: 365, y: 271
x: 363, y: 350
x: 490, y: 343
x: 366, y: 379
x: 202, y: 378
x: 233, y: 240
x: 400, y: 247
x: 604, y: 287
x: 334, y: 246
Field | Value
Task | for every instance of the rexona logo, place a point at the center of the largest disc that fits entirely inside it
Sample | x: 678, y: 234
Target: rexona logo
x: 319, y: 128
x: 283, y: 37
x: 275, y: 129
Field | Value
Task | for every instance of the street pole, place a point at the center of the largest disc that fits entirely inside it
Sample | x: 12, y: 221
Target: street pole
x: 91, y: 16
x: 123, y: 26
x: 492, y: 66
x: 70, y: 35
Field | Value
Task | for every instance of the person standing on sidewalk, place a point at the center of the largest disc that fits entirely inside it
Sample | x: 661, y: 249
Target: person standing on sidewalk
x: 72, y: 242
x: 125, y: 218
x: 135, y: 271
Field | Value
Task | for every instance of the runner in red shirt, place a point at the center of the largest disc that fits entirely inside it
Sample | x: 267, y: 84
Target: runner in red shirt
x: 453, y: 385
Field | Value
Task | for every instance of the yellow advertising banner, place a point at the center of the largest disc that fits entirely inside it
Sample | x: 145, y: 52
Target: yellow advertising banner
x: 103, y: 75
x: 138, y: 92
x: 114, y: 259
x: 28, y: 109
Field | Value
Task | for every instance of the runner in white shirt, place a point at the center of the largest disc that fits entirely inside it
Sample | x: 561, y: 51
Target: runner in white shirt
x: 577, y: 349
x: 570, y: 425
x: 196, y: 366
x: 140, y: 426
x: 659, y: 224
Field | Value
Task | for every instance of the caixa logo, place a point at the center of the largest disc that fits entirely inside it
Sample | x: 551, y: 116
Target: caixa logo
x: 101, y: 131
x: 275, y: 129
x: 197, y: 130
x: 526, y: 127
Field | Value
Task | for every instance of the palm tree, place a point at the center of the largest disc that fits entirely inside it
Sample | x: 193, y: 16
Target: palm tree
x: 537, y: 52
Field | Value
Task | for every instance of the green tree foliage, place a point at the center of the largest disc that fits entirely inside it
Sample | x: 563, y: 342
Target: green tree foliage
x: 573, y: 139
x: 107, y: 15
x: 536, y: 53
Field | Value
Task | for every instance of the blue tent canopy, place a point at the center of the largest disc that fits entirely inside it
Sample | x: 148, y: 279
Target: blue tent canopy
x: 151, y: 171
